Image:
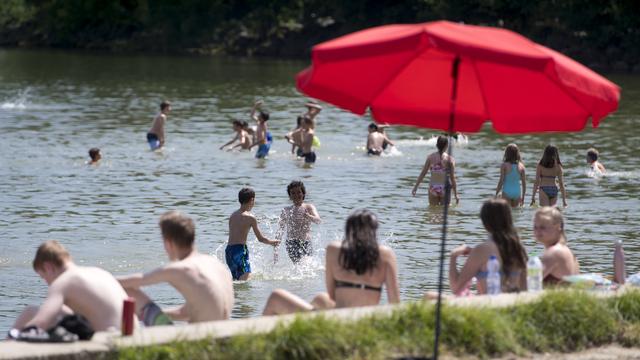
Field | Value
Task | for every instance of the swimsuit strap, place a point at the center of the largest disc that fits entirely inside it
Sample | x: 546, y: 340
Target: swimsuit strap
x: 346, y: 284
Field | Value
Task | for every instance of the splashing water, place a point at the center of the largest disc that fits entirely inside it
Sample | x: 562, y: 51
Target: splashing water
x: 17, y: 103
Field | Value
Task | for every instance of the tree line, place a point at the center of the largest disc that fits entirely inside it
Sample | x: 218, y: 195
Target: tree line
x: 603, y: 34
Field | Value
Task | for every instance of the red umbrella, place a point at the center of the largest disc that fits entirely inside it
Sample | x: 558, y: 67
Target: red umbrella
x: 455, y: 77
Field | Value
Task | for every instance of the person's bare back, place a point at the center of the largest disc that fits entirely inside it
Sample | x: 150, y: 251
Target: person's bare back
x: 240, y: 223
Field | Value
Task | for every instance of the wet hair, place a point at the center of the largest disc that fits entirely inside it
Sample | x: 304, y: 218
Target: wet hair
x: 593, y: 154
x: 442, y: 144
x: 359, y: 251
x: 556, y: 217
x: 52, y: 252
x: 550, y: 157
x: 512, y: 154
x: 245, y: 195
x: 309, y: 121
x: 497, y: 220
x: 165, y: 104
x: 295, y: 184
x: 238, y: 123
x: 299, y: 121
x: 93, y: 153
x: 263, y: 115
x: 373, y: 127
x: 178, y: 229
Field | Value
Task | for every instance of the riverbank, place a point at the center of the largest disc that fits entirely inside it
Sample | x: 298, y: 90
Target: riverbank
x: 525, y: 325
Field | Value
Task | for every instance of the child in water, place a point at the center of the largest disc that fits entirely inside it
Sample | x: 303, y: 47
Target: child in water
x: 297, y: 220
x: 263, y: 136
x: 512, y: 177
x: 240, y: 222
x: 155, y: 136
x: 549, y: 168
x: 594, y: 164
x: 95, y: 155
x: 441, y: 166
x: 244, y: 141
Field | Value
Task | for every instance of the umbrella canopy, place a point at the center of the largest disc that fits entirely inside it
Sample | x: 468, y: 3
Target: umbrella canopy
x: 403, y: 74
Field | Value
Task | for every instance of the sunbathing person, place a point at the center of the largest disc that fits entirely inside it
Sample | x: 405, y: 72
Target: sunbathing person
x: 88, y: 291
x: 356, y: 270
x: 503, y: 242
x: 557, y: 260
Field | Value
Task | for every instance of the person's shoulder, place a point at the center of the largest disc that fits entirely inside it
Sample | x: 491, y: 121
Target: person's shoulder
x: 334, y: 246
x: 386, y: 251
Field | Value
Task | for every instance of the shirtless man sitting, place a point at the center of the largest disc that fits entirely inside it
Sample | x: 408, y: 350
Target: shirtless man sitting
x: 203, y: 281
x: 376, y: 140
x: 87, y: 291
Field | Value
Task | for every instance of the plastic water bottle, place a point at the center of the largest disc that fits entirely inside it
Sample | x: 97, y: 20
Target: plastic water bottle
x: 619, y: 268
x: 534, y: 274
x: 493, y: 276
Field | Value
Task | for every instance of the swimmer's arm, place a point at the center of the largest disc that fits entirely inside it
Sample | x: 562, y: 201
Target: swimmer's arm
x: 282, y: 223
x: 499, y: 187
x: 49, y: 310
x: 329, y: 280
x: 262, y: 238
x: 230, y: 142
x: 425, y: 168
x: 386, y: 138
x: 458, y: 279
x: 536, y: 183
x: 369, y: 142
x: 256, y: 105
x: 523, y: 180
x: 561, y: 183
x: 159, y: 275
x: 178, y: 313
x: 312, y: 214
x: 313, y: 109
x: 454, y: 184
x: 601, y: 167
x: 391, y: 279
x: 161, y: 129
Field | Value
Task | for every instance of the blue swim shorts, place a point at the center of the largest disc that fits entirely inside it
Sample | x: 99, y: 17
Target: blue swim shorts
x: 152, y: 315
x: 263, y: 150
x: 237, y: 257
x: 154, y: 142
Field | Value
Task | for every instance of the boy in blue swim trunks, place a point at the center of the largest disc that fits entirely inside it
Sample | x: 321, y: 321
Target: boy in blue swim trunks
x: 240, y: 222
x: 155, y: 136
x: 263, y: 136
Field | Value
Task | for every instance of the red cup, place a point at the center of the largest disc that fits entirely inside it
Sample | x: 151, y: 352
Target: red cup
x: 128, y: 310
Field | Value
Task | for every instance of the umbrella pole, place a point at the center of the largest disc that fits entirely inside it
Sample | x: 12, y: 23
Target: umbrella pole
x: 447, y: 197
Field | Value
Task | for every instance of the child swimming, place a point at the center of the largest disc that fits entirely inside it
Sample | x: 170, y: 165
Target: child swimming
x: 263, y: 136
x: 592, y: 159
x: 95, y: 156
x: 549, y: 168
x: 297, y: 219
x: 242, y: 137
x: 512, y: 177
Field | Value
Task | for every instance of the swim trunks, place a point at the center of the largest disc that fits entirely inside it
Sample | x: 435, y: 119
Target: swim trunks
x: 154, y: 142
x: 374, y: 152
x: 309, y: 158
x: 299, y: 153
x: 297, y: 249
x: 263, y: 151
x: 511, y: 187
x: 237, y: 257
x: 152, y: 315
x: 550, y: 190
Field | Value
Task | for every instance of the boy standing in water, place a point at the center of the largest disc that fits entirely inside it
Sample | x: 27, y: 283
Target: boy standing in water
x: 297, y: 219
x: 244, y: 141
x: 307, y: 140
x: 240, y: 222
x: 201, y: 279
x: 263, y: 136
x: 377, y: 141
x: 592, y: 160
x: 155, y: 136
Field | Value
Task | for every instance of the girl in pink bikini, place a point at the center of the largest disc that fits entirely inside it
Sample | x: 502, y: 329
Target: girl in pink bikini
x: 441, y: 165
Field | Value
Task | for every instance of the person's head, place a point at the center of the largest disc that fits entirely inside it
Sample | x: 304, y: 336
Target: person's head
x: 237, y: 125
x: 359, y: 251
x: 299, y: 121
x: 550, y: 157
x: 246, y: 197
x: 94, y: 154
x: 496, y: 218
x: 165, y: 107
x: 50, y: 260
x: 178, y: 233
x: 263, y: 116
x: 548, y: 226
x: 296, y: 192
x: 307, y: 123
x: 373, y: 127
x: 512, y: 154
x: 442, y: 144
x: 592, y: 155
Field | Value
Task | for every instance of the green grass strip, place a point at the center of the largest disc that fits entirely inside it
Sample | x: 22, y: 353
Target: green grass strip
x: 561, y: 320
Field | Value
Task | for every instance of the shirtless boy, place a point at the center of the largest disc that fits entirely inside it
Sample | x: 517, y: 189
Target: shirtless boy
x: 243, y: 138
x: 294, y: 137
x: 376, y: 141
x: 308, y: 133
x: 594, y: 163
x: 263, y: 137
x: 155, y: 136
x: 87, y: 291
x: 297, y: 220
x: 240, y: 222
x: 201, y: 279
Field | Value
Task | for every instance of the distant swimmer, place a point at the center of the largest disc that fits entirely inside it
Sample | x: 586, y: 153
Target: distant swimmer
x: 155, y: 136
x: 296, y: 220
x: 308, y: 139
x: 548, y: 170
x: 512, y: 177
x: 242, y: 137
x: 377, y: 141
x: 594, y: 163
x: 240, y: 222
x: 94, y: 156
x: 294, y: 137
x: 263, y: 136
x: 442, y: 166
x: 87, y: 291
x: 201, y: 279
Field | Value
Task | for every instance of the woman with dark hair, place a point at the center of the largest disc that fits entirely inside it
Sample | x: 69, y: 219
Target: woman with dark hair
x: 549, y: 168
x: 356, y: 270
x: 441, y: 166
x: 503, y: 242
x: 512, y: 177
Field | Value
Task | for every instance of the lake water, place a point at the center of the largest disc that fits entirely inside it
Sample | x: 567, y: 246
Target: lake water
x: 54, y: 106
